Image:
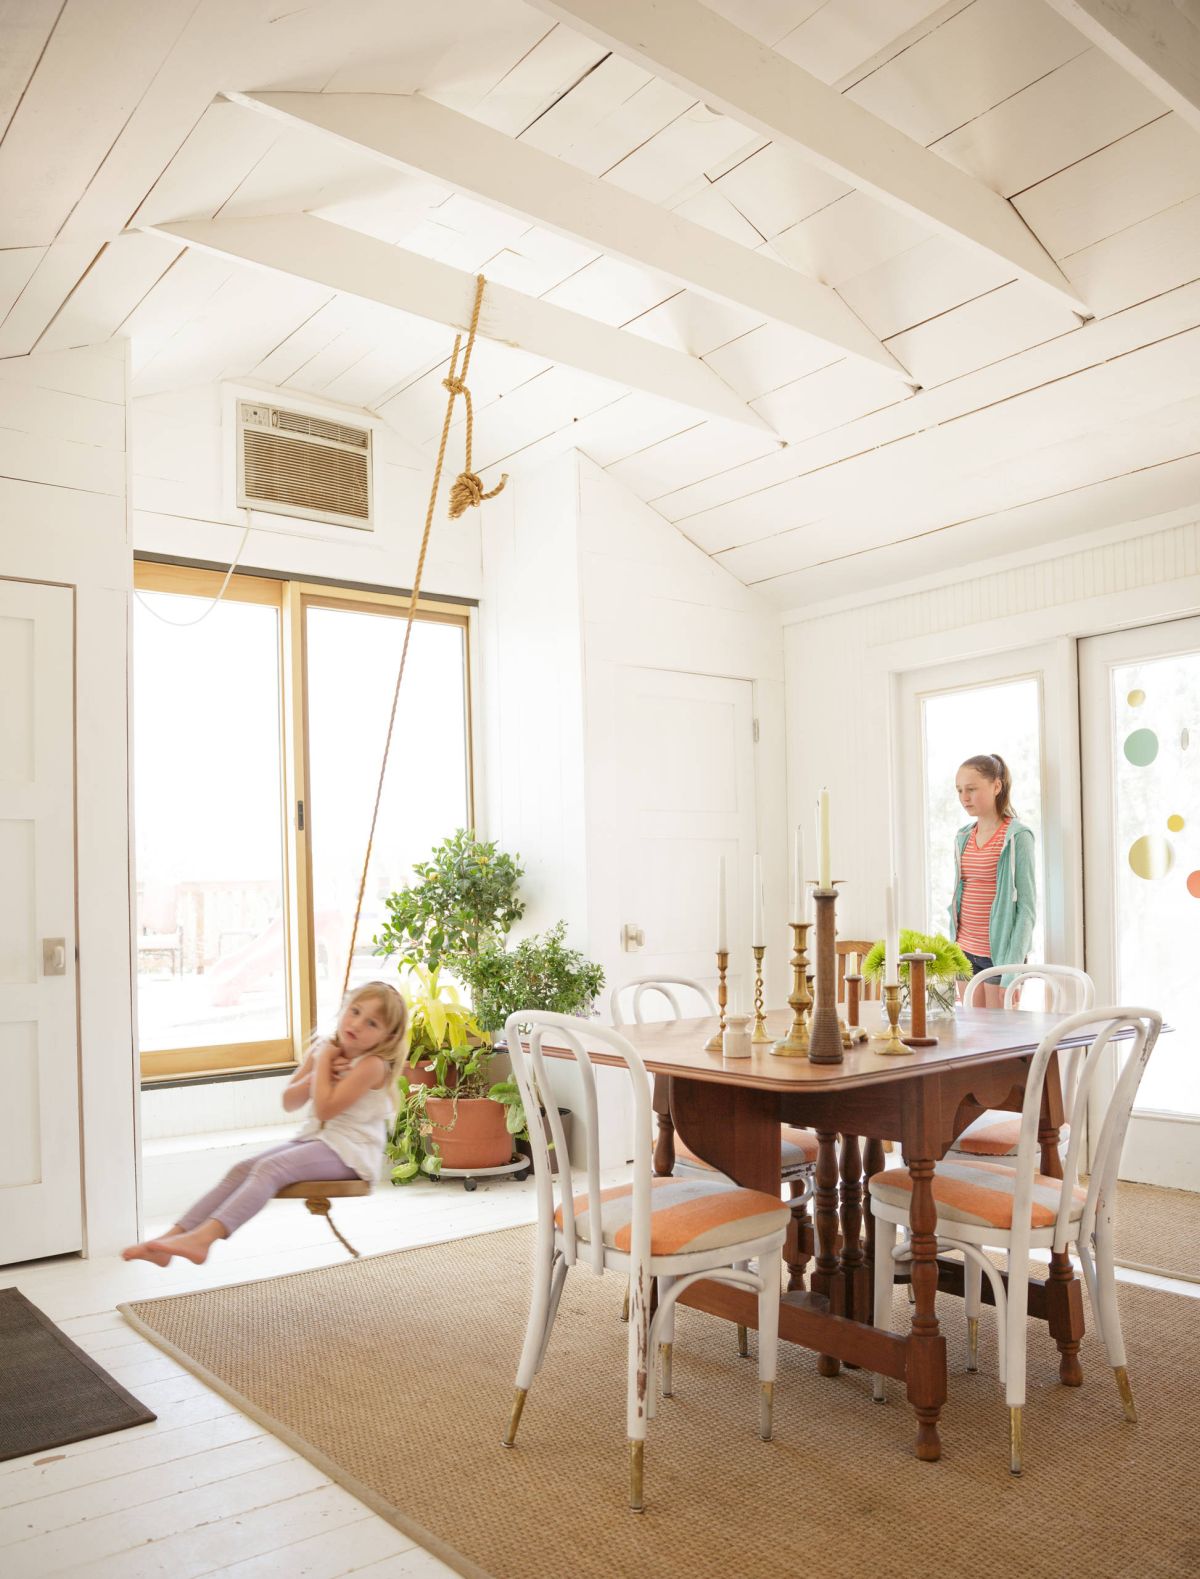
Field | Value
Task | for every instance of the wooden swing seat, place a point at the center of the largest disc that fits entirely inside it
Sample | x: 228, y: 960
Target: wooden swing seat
x: 317, y: 1195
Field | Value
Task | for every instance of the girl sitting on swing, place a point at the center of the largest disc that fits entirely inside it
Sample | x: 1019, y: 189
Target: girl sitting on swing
x: 350, y: 1079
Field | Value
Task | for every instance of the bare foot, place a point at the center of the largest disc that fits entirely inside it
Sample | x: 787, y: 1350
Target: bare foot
x: 192, y: 1246
x: 149, y: 1250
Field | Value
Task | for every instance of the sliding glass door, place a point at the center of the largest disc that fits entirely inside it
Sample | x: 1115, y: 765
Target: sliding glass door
x: 1140, y: 711
x: 259, y: 730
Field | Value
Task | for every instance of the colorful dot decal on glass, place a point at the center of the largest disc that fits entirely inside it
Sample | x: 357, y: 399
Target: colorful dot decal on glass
x: 1151, y: 857
x: 1193, y: 884
x: 1141, y: 747
x: 1175, y: 823
x: 1136, y: 698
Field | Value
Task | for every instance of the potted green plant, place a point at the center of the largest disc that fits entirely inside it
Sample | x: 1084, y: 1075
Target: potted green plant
x: 948, y: 966
x: 463, y: 898
x: 541, y: 972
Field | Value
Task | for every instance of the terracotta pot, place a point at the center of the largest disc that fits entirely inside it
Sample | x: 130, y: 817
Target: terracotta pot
x: 420, y: 1075
x: 479, y: 1137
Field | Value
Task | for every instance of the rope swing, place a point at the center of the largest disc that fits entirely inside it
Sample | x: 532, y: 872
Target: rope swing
x: 465, y: 492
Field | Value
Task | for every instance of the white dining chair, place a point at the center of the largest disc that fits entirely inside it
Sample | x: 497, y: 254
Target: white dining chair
x: 677, y: 1231
x: 1018, y: 1209
x: 1068, y: 991
x: 798, y: 1148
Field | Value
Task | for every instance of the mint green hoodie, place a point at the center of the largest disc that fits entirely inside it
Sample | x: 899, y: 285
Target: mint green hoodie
x: 1014, y: 909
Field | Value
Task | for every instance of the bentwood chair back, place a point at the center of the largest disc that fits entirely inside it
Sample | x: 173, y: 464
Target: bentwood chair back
x: 667, y: 987
x: 1018, y: 1209
x: 672, y: 1230
x: 1068, y: 991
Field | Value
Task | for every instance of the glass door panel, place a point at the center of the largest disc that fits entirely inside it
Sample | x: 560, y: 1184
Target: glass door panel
x: 1004, y: 718
x: 351, y: 657
x: 211, y: 928
x: 1141, y: 716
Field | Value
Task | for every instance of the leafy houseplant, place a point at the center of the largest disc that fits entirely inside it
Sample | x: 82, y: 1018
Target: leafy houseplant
x: 948, y: 966
x: 540, y: 973
x: 465, y: 897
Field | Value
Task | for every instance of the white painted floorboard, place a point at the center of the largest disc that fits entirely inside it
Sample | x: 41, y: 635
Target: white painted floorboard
x: 203, y: 1489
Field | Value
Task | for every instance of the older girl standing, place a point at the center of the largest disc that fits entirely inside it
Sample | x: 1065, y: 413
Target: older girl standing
x: 995, y: 894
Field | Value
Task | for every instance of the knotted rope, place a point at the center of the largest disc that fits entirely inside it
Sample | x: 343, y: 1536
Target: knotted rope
x: 467, y: 490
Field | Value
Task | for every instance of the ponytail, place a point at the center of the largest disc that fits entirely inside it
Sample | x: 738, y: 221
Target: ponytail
x: 994, y: 767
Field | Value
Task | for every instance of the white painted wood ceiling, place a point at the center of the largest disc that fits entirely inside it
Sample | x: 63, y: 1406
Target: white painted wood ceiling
x: 1021, y: 422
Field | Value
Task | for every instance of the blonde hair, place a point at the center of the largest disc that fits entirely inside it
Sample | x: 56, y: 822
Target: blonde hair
x: 393, y: 1048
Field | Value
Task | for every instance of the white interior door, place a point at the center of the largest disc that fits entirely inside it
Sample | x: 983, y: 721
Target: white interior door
x: 40, y: 1202
x: 687, y: 784
x: 1140, y: 711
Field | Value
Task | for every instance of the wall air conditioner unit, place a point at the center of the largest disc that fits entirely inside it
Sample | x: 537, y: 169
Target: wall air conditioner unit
x: 289, y: 463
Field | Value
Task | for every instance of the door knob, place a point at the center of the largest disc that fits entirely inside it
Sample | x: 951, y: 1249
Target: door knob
x: 632, y: 937
x: 54, y: 956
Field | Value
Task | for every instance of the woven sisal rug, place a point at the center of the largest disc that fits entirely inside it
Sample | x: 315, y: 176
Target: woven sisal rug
x: 394, y: 1375
x: 1159, y: 1228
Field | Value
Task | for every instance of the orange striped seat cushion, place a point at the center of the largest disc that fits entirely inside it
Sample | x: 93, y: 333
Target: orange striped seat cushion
x: 995, y: 1134
x: 686, y: 1215
x: 798, y: 1149
x: 965, y: 1191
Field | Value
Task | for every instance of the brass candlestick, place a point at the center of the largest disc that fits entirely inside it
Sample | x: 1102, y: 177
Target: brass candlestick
x: 916, y: 997
x: 713, y: 1045
x: 795, y: 1043
x: 759, y: 1034
x: 893, y: 1047
x: 825, y: 1037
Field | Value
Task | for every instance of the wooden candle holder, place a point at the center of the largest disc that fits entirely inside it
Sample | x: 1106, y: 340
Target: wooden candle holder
x: 916, y: 1000
x: 825, y: 1037
x: 716, y: 1041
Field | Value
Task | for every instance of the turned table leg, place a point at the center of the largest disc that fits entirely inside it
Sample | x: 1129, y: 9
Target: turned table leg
x: 872, y: 1164
x: 798, y: 1246
x: 1064, y: 1297
x: 926, y: 1346
x: 855, y: 1297
x: 824, y: 1276
x: 664, y: 1145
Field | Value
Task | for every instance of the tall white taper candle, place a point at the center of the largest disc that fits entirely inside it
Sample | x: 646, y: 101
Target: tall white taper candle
x: 759, y: 938
x: 891, y: 937
x: 798, y: 894
x: 824, y: 868
x: 722, y: 927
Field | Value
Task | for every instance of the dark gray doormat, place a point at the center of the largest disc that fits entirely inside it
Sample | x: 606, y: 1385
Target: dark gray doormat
x: 51, y: 1392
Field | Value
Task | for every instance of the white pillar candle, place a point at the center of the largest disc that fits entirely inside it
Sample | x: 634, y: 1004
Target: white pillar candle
x: 798, y: 877
x: 891, y: 967
x: 722, y: 928
x: 759, y: 939
x: 824, y: 869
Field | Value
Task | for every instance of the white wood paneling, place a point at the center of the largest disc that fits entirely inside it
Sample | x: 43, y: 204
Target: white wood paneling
x: 1156, y: 41
x: 728, y: 70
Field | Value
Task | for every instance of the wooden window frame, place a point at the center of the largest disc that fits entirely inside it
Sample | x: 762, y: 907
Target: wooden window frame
x: 292, y: 596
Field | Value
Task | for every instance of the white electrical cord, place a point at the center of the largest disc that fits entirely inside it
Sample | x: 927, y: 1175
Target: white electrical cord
x: 183, y: 624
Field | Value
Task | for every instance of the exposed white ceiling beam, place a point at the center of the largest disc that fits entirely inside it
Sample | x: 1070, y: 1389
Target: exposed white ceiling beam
x: 1154, y: 40
x: 699, y: 52
x: 313, y: 249
x: 415, y: 133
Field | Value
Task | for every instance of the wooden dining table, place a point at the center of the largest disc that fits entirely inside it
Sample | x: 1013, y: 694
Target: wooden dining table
x: 729, y: 1112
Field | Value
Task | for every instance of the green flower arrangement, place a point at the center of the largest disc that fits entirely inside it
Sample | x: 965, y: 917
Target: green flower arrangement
x: 948, y: 966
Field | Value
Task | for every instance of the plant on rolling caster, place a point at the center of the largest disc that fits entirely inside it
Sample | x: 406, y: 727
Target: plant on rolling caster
x: 460, y: 1074
x: 948, y: 966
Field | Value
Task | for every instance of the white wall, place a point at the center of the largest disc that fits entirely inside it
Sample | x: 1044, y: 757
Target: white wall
x: 181, y: 490
x: 581, y: 578
x: 841, y: 666
x: 63, y: 506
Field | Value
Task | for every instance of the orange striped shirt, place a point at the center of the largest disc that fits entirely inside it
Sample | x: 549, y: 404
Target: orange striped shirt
x: 978, y: 864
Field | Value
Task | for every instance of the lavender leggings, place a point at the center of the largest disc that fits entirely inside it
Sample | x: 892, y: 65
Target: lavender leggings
x: 249, y: 1185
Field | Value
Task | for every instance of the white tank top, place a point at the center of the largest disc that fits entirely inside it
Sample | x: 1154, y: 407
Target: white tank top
x: 358, y: 1133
